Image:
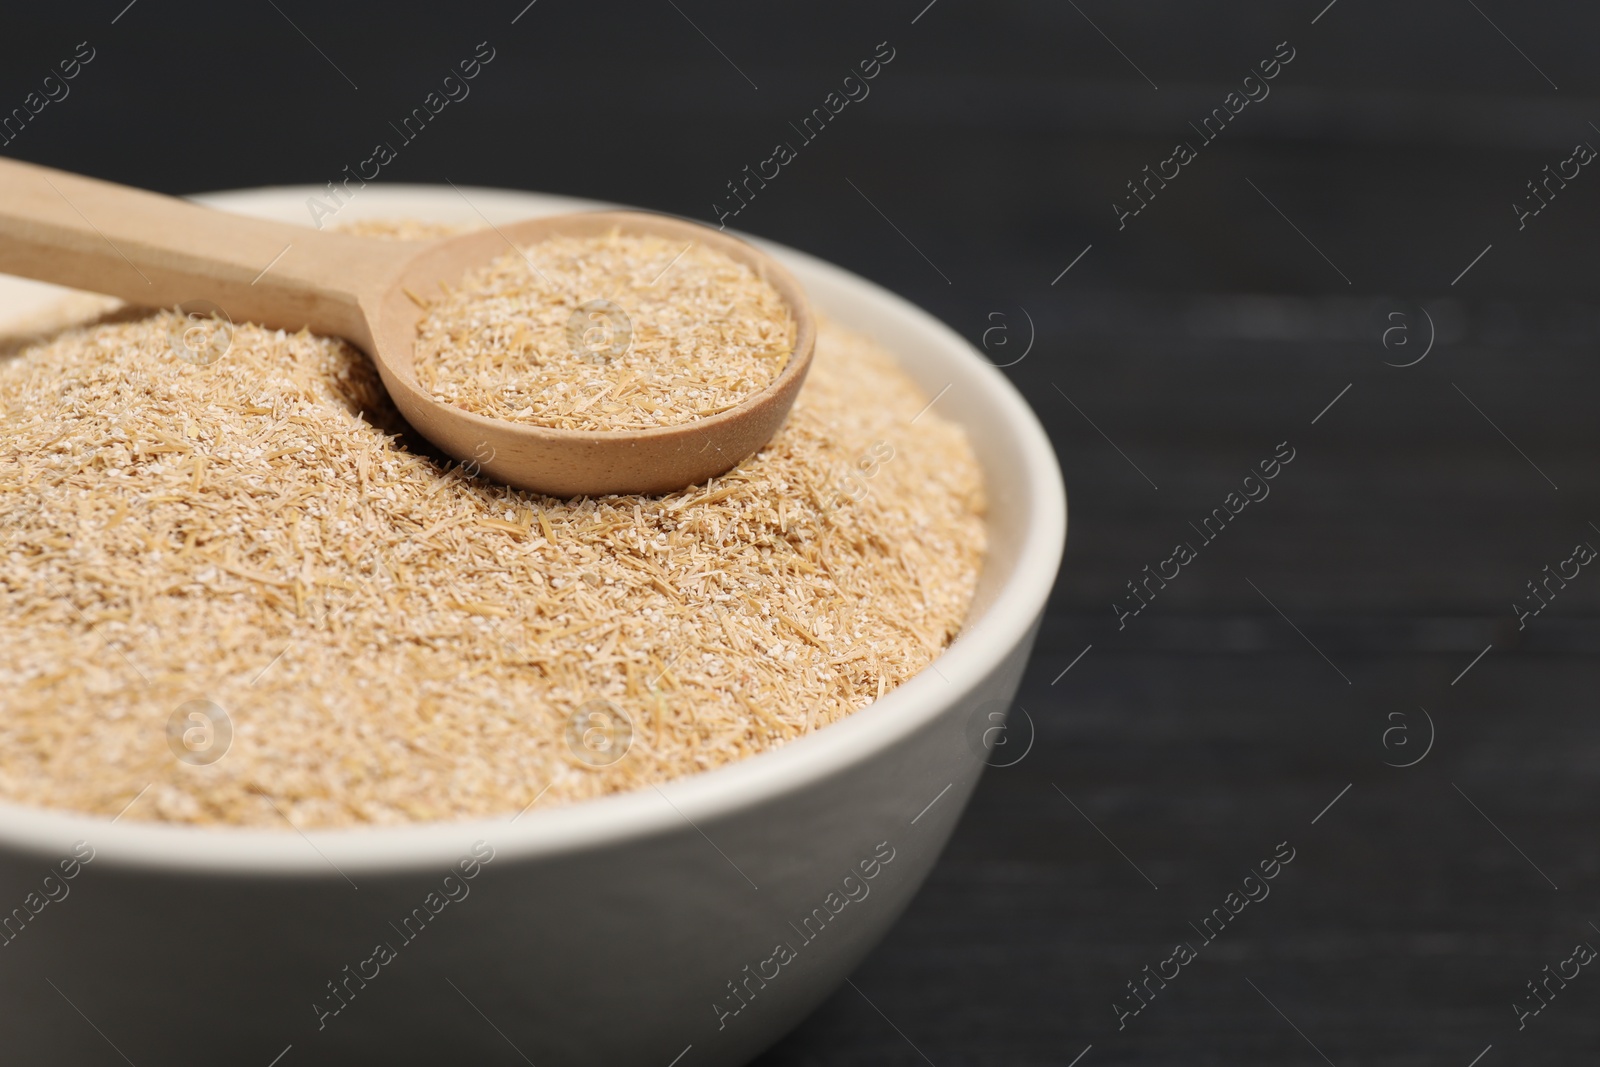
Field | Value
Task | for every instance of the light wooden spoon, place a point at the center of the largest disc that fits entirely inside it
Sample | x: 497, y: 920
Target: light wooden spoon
x: 158, y: 251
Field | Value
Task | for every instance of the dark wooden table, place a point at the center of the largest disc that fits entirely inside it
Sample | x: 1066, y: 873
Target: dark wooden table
x: 1216, y: 725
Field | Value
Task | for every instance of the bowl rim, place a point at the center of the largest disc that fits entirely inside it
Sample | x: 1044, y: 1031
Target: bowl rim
x: 704, y: 796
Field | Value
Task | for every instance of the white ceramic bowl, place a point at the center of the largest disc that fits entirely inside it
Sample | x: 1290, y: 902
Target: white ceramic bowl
x: 619, y: 931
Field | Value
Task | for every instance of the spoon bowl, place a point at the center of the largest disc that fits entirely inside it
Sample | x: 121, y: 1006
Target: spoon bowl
x: 158, y: 251
x: 584, y: 462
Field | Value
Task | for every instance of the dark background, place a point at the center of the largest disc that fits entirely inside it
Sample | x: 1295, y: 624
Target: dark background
x: 1221, y: 321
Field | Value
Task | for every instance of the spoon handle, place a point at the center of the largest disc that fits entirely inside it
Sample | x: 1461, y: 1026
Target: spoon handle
x: 159, y: 251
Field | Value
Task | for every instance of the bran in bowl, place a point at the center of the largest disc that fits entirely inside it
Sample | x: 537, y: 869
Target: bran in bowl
x: 388, y: 638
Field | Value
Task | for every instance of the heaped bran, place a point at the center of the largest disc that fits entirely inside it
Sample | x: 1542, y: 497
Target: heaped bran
x: 394, y: 640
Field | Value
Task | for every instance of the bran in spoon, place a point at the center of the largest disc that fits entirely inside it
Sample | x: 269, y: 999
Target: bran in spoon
x: 612, y: 332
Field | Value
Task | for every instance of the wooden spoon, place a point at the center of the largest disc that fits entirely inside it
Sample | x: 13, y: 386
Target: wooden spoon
x: 158, y: 251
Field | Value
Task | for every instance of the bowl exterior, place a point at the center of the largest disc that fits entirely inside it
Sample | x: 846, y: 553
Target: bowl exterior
x: 715, y: 938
